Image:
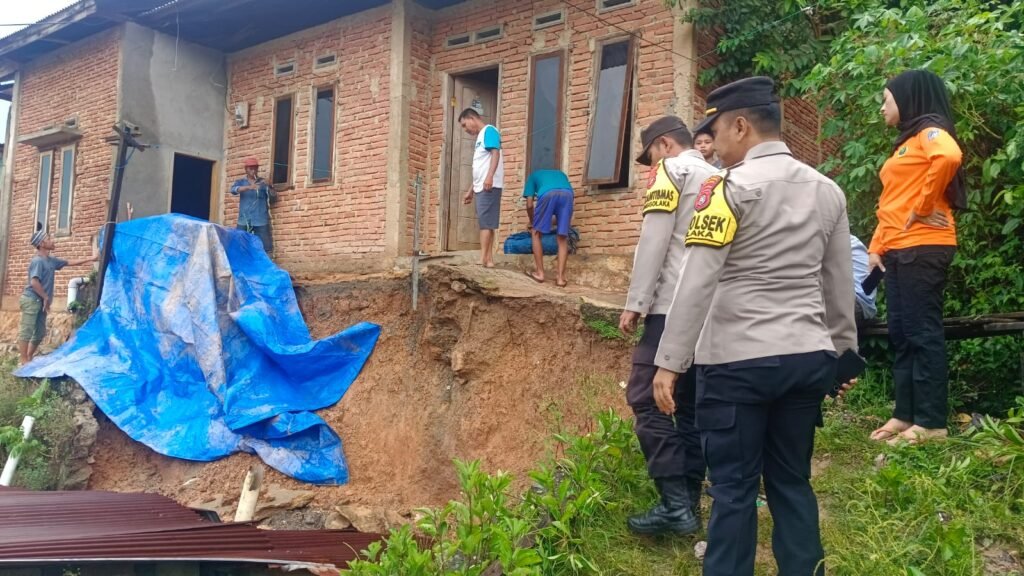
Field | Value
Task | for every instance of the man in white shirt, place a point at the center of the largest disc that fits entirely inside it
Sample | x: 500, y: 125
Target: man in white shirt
x: 488, y: 180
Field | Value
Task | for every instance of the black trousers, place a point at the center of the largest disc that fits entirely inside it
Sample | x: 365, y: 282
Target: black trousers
x: 915, y: 279
x: 671, y: 444
x: 757, y: 419
x: 265, y: 235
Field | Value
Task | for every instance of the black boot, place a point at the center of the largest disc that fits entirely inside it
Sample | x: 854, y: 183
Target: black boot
x: 673, y: 515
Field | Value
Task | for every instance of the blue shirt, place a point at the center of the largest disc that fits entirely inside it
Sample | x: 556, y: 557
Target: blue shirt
x: 254, y: 205
x: 543, y: 181
x: 860, y: 272
x: 43, y: 268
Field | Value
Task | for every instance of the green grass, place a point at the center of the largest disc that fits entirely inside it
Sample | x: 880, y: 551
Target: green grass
x: 943, y: 509
x: 43, y: 465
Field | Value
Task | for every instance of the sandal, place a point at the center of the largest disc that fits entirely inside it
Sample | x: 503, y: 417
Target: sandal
x: 531, y: 276
x: 889, y: 431
x: 916, y: 435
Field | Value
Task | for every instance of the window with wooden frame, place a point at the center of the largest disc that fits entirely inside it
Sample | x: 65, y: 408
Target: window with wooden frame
x: 281, y: 160
x: 66, y: 190
x: 43, y: 190
x: 322, y: 154
x: 547, y: 87
x: 611, y: 122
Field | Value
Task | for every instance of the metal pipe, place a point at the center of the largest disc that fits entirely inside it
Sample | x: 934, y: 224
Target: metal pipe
x: 416, y: 243
x: 12, y: 461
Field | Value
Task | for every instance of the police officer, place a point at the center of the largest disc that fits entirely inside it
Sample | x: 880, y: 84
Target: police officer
x: 763, y: 305
x: 670, y: 445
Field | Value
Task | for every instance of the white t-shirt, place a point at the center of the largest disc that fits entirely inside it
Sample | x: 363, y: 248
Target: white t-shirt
x: 488, y: 139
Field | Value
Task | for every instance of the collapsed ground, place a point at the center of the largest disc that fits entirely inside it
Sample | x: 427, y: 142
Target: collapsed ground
x: 477, y: 372
x: 491, y: 365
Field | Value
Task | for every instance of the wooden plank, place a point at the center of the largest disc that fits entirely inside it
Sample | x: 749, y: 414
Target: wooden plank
x: 960, y: 328
x: 40, y: 30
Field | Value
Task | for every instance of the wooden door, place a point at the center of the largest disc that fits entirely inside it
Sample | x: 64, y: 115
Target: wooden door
x: 463, y: 231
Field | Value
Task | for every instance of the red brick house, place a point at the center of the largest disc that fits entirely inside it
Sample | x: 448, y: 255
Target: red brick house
x: 348, y: 103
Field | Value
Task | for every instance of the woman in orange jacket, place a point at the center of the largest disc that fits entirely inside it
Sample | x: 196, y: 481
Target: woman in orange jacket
x: 914, y: 244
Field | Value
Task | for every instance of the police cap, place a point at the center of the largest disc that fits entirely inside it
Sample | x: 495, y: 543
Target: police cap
x: 655, y: 130
x: 745, y: 93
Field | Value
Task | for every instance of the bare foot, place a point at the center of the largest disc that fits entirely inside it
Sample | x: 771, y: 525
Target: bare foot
x: 562, y: 283
x: 919, y: 435
x: 489, y: 265
x: 891, y: 429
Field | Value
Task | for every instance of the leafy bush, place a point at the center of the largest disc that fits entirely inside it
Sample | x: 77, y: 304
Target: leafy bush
x: 975, y: 46
x: 549, y: 530
x: 44, y: 455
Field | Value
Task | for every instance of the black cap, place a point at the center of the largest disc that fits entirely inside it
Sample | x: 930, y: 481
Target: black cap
x: 745, y: 93
x: 657, y: 129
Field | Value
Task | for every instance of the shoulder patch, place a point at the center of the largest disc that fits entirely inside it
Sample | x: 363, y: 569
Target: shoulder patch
x: 662, y: 195
x: 933, y: 134
x: 707, y: 189
x: 713, y: 222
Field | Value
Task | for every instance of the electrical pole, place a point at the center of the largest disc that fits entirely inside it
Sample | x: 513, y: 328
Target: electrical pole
x: 125, y: 140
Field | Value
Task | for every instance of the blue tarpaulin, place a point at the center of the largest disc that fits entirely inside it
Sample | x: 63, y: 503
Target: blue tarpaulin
x: 198, y: 350
x: 522, y: 243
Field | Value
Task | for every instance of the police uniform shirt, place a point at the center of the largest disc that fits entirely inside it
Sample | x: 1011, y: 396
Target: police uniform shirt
x: 767, y: 270
x: 668, y: 205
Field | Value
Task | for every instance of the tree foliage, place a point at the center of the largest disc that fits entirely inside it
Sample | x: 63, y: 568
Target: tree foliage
x: 782, y: 39
x: 977, y: 48
x: 839, y: 54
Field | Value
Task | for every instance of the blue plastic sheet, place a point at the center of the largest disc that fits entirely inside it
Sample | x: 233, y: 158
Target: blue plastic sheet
x: 198, y: 350
x: 522, y: 243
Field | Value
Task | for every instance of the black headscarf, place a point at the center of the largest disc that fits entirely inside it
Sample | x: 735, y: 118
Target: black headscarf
x: 923, y: 102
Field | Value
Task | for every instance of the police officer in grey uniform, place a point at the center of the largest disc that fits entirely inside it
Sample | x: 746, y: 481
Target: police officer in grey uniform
x: 670, y: 443
x: 763, y: 307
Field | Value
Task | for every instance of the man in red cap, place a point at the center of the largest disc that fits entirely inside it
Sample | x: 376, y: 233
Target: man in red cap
x: 256, y: 195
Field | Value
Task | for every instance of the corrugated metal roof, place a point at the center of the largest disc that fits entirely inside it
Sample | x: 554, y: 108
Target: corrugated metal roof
x: 38, y: 527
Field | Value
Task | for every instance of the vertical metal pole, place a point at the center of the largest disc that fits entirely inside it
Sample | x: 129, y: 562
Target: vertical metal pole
x: 416, y: 243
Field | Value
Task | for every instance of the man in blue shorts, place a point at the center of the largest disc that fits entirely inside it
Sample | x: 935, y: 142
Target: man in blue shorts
x: 548, y: 194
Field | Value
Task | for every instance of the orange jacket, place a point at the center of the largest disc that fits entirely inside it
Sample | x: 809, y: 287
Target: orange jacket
x: 915, y: 178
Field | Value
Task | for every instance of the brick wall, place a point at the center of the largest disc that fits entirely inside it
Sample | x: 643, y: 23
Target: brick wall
x: 609, y: 222
x: 320, y: 226
x: 79, y: 81
x: 421, y: 101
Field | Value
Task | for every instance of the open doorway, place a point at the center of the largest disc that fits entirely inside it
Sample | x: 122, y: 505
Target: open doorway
x: 478, y: 90
x: 191, y: 186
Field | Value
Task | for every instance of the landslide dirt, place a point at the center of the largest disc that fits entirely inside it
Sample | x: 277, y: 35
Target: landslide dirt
x: 470, y: 375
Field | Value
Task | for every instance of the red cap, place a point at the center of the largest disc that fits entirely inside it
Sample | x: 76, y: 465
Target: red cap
x: 251, y: 162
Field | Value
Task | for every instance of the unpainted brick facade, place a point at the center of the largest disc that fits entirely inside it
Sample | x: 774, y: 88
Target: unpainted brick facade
x: 79, y: 81
x: 332, y: 223
x: 609, y: 221
x: 343, y: 224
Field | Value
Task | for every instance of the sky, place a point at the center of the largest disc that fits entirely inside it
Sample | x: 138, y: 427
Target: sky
x: 22, y: 12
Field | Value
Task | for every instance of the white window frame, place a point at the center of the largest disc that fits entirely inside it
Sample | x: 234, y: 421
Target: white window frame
x: 39, y: 192
x: 601, y: 8
x: 66, y: 173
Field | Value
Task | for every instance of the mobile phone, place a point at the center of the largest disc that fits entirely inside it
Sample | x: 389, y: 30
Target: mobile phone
x: 871, y: 282
x: 849, y: 366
